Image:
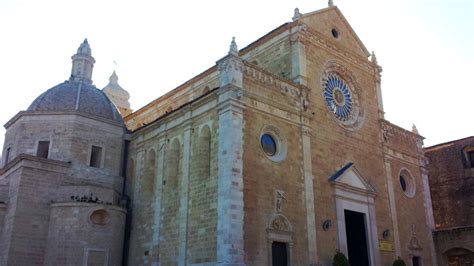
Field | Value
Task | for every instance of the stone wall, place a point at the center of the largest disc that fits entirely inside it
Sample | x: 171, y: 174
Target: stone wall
x: 25, y: 229
x: 71, y: 137
x: 85, y: 234
x: 454, y: 239
x: 451, y: 183
x: 174, y: 195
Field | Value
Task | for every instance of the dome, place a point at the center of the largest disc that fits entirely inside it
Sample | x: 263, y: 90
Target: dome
x: 78, y: 97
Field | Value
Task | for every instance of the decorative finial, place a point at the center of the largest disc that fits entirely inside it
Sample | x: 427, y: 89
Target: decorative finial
x: 330, y: 3
x: 233, y: 47
x: 84, y: 48
x: 114, y: 78
x: 414, y: 129
x: 297, y: 15
x: 373, y: 58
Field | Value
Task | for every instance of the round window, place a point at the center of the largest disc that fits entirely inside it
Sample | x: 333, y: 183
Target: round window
x: 269, y: 145
x: 341, y: 97
x: 273, y: 144
x: 407, y: 183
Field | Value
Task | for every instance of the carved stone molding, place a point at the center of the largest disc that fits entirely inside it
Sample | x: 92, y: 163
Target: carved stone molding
x: 390, y: 131
x: 296, y: 91
x: 279, y: 223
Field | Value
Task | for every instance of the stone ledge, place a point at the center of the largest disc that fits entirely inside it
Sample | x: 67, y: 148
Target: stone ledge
x: 454, y: 230
x: 88, y: 205
x: 25, y: 158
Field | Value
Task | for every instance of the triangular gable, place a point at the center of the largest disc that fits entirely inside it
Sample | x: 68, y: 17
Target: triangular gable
x: 324, y: 20
x: 349, y: 176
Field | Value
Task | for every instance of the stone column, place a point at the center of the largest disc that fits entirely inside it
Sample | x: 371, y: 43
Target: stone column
x: 230, y: 200
x: 183, y: 207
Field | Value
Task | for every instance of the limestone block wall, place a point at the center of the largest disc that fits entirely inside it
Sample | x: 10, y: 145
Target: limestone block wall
x: 274, y: 56
x: 262, y: 179
x: 202, y: 213
x: 85, y: 234
x: 174, y: 99
x: 408, y: 190
x: 415, y: 234
x: 333, y: 145
x: 71, y: 137
x: 31, y: 181
x: 323, y: 21
x: 172, y: 181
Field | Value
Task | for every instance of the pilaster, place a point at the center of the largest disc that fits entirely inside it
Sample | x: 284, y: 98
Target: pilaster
x: 157, y: 206
x: 184, y: 194
x: 230, y: 200
x: 298, y: 55
x: 393, y: 208
x: 428, y: 209
x: 309, y: 195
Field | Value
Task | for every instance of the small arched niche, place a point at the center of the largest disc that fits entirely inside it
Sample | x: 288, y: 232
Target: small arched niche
x: 99, y: 217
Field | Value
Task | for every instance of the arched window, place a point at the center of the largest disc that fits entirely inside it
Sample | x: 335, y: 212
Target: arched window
x: 172, y: 165
x: 147, y: 183
x: 203, y: 153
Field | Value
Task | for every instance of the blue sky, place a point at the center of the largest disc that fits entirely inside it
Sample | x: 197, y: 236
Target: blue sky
x: 425, y: 48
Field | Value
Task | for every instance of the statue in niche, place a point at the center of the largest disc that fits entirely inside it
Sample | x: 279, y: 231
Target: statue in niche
x: 280, y: 196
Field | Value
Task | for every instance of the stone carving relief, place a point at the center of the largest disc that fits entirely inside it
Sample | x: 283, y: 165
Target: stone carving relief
x: 280, y: 223
x: 414, y: 243
x: 283, y: 85
x: 390, y: 131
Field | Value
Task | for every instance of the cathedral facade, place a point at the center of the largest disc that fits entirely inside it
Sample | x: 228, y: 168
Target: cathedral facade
x: 277, y: 155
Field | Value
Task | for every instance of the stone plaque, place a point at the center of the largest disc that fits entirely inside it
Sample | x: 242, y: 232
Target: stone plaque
x: 385, y: 245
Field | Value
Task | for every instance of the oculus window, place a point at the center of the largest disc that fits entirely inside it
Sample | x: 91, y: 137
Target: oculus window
x: 272, y: 143
x: 407, y: 183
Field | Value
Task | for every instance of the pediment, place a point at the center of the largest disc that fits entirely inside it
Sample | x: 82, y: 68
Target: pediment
x: 327, y: 19
x: 348, y: 176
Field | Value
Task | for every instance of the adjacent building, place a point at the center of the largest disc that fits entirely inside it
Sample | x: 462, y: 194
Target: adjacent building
x: 451, y: 176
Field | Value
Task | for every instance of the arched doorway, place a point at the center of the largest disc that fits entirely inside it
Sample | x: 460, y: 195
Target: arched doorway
x: 459, y: 257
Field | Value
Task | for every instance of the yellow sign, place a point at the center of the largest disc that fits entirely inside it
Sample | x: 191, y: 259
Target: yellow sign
x: 385, y: 245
